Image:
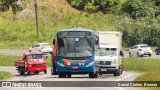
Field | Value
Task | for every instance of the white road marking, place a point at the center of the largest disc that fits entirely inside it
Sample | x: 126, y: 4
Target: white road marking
x: 129, y: 75
x: 120, y: 88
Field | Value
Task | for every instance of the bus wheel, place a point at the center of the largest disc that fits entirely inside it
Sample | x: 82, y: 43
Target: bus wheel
x: 93, y: 75
x: 69, y: 75
x: 62, y: 75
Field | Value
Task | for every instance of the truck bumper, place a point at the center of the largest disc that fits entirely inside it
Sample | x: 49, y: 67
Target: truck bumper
x: 108, y: 70
x: 34, y: 69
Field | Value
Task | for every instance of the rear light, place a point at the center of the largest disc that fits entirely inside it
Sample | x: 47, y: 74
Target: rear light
x: 140, y: 49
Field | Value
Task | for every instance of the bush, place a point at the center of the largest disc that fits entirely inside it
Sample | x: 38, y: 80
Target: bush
x: 92, y: 6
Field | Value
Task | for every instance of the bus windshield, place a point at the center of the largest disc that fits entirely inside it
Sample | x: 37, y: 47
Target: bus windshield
x: 35, y: 57
x: 75, y: 46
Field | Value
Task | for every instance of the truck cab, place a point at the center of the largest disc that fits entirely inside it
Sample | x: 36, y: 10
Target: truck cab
x: 33, y: 62
x: 110, y: 59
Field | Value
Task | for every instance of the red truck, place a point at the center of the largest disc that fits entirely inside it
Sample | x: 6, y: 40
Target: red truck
x: 33, y: 62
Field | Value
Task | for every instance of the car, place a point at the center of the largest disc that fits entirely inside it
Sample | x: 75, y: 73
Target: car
x: 41, y: 47
x: 140, y: 50
x: 157, y: 51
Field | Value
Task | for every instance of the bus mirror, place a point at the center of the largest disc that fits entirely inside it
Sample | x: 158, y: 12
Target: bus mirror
x: 54, y: 41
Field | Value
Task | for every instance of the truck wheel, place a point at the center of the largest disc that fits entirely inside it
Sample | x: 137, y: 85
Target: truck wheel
x: 45, y: 71
x: 118, y: 72
x: 28, y: 73
x: 141, y: 55
x: 150, y: 55
x: 96, y: 75
x: 22, y: 72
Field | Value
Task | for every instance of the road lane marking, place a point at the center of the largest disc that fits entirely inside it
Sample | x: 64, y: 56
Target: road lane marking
x: 124, y: 77
x: 120, y: 88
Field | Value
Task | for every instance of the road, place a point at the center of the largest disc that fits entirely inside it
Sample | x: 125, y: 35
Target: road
x: 126, y: 76
x: 20, y: 52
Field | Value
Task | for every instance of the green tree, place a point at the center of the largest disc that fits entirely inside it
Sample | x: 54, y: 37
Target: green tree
x: 6, y: 4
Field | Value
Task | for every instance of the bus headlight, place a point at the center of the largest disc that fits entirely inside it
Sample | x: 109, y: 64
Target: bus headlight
x: 60, y: 64
x: 91, y: 63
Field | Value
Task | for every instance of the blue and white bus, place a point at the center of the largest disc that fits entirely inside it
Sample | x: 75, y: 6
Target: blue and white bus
x: 75, y: 53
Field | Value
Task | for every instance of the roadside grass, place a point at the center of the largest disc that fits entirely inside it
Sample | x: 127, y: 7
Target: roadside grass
x: 140, y: 64
x: 150, y: 67
x: 5, y: 75
x: 9, y: 60
x: 18, y: 33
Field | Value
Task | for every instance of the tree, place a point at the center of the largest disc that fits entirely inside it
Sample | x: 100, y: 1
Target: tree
x: 6, y: 4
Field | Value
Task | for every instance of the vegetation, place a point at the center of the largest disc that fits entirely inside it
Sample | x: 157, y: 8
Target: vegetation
x: 137, y: 19
x: 150, y: 67
x: 5, y: 75
x: 6, y: 4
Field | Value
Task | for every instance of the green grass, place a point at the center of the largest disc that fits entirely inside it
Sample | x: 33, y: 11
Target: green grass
x: 150, y: 67
x: 9, y: 60
x: 5, y: 75
x: 140, y: 64
x: 21, y: 33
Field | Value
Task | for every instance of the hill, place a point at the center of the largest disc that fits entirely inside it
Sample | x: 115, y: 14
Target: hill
x: 138, y: 20
x: 19, y: 31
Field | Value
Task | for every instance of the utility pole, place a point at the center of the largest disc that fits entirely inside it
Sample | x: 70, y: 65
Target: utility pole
x: 36, y: 15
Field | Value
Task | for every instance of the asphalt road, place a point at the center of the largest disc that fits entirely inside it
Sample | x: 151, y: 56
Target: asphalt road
x: 126, y: 76
x: 20, y: 52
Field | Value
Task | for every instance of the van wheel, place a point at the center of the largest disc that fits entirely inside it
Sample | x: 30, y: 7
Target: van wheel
x: 150, y: 55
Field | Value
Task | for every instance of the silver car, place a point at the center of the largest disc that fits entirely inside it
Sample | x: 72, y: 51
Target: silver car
x: 41, y: 47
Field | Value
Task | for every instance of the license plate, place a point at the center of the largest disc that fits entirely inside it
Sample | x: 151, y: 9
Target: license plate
x: 146, y: 52
x: 103, y: 70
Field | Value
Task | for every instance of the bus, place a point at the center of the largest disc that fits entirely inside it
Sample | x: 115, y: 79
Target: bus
x: 74, y: 53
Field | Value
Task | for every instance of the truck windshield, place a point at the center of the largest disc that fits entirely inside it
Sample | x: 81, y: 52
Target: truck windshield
x: 106, y: 52
x: 35, y: 57
x: 75, y: 46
